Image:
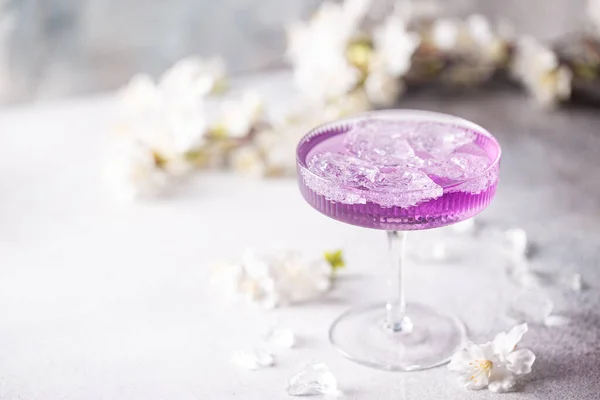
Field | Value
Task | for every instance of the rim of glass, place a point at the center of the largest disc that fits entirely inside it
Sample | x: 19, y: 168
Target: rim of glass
x: 419, y: 115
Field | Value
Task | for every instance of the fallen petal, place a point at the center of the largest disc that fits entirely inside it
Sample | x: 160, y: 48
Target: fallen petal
x: 520, y: 361
x: 312, y: 380
x: 506, y: 342
x: 503, y: 385
x: 253, y: 359
x: 475, y: 385
x: 475, y: 351
x: 460, y: 361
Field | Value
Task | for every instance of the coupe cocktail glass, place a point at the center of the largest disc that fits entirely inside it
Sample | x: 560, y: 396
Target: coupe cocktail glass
x: 398, y: 170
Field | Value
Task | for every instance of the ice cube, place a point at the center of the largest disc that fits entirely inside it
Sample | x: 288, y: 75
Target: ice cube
x: 403, y: 188
x: 315, y: 379
x: 438, y: 139
x: 343, y: 169
x: 383, y: 143
x: 281, y: 337
x: 457, y: 166
x: 253, y: 359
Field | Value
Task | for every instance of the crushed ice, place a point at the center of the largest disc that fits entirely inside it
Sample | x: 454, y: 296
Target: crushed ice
x: 315, y: 379
x: 391, y: 163
x: 280, y: 337
x: 253, y: 359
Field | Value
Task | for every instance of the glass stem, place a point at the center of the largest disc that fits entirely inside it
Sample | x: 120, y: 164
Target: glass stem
x: 396, y: 319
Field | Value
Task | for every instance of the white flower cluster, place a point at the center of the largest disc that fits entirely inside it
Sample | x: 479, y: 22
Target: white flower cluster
x: 165, y: 128
x: 537, y: 67
x: 472, y: 37
x: 273, y: 281
x: 494, y: 364
x: 332, y: 56
x: 477, y: 47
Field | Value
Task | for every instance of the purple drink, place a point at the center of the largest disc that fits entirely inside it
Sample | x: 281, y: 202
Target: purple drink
x: 399, y: 170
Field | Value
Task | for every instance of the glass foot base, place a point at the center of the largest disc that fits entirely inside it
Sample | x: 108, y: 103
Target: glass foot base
x: 361, y: 336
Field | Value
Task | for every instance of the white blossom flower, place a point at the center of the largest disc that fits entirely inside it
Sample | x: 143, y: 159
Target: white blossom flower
x: 480, y: 30
x: 140, y: 97
x: 445, y: 32
x: 394, y: 46
x: 238, y: 117
x: 537, y: 67
x: 248, y: 161
x: 383, y: 89
x: 473, y: 38
x: 391, y: 60
x: 278, y: 143
x: 354, y: 102
x: 167, y: 124
x: 170, y: 125
x: 274, y: 281
x: 494, y: 364
x: 317, y: 50
x: 258, y: 284
x: 193, y: 76
x: 132, y: 170
x: 300, y: 279
x: 251, y: 280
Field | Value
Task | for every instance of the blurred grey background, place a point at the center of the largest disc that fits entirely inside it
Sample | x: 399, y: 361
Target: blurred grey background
x: 56, y: 48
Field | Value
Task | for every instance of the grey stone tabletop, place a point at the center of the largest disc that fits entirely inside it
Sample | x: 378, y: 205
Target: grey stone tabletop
x: 105, y: 301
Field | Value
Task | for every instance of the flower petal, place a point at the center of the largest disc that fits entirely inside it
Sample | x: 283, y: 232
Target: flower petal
x: 460, y: 361
x: 475, y: 351
x: 488, y: 351
x: 475, y: 384
x: 503, y: 385
x: 501, y: 379
x: 520, y: 361
x: 504, y: 343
